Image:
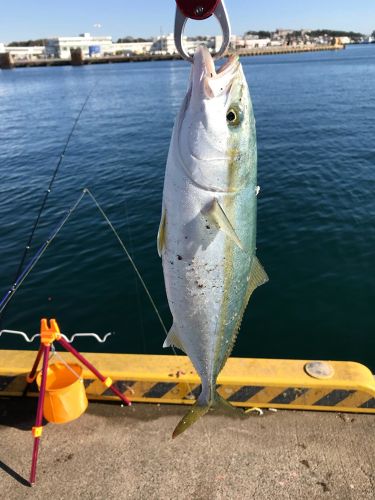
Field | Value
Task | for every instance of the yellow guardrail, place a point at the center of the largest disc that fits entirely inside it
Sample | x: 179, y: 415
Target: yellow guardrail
x: 264, y: 383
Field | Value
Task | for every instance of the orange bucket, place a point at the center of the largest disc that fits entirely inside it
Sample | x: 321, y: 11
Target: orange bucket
x: 65, y: 398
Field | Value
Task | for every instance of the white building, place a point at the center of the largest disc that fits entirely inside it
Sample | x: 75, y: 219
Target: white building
x: 239, y: 42
x: 192, y: 45
x: 235, y: 42
x: 259, y: 43
x: 24, y: 53
x: 60, y: 47
x: 276, y: 43
x: 344, y: 40
x: 165, y: 44
x: 129, y: 48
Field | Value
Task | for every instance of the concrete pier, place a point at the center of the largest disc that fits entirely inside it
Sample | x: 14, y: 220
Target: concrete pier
x: 127, y: 453
x: 79, y: 60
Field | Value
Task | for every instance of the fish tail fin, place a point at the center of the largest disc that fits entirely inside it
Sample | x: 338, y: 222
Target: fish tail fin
x: 196, y: 412
x: 201, y: 408
x: 221, y: 403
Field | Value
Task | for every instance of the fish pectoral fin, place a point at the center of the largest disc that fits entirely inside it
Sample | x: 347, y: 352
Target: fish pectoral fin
x: 257, y: 277
x: 161, y: 232
x: 173, y: 339
x: 201, y: 408
x: 217, y: 215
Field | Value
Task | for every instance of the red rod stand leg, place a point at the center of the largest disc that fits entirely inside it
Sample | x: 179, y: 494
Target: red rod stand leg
x: 92, y: 368
x: 37, y: 430
x: 31, y: 377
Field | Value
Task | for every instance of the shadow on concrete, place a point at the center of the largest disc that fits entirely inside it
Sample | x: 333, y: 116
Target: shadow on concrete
x: 13, y: 474
x: 150, y: 411
x: 18, y: 412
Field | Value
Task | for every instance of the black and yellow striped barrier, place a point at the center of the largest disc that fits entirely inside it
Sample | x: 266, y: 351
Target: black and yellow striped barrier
x: 264, y: 383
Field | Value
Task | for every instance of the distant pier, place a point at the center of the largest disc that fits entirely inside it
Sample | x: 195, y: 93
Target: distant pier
x: 77, y: 61
x: 287, y: 49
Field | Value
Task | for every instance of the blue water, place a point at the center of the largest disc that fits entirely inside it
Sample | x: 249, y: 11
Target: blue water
x: 316, y: 232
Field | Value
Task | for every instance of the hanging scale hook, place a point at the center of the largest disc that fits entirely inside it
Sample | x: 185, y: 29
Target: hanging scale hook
x: 199, y: 10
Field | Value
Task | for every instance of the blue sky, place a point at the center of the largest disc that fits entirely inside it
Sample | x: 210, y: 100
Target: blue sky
x: 25, y: 19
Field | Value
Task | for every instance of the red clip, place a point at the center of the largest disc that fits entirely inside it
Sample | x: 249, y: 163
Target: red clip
x: 197, y: 9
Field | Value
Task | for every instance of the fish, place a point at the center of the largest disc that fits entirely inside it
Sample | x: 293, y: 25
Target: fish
x: 207, y: 232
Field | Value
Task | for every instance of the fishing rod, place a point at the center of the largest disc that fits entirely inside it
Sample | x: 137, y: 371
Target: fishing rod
x: 49, y: 189
x: 29, y: 267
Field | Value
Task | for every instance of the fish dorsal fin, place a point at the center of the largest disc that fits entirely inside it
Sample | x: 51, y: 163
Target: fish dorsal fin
x: 161, y: 232
x: 173, y: 339
x: 216, y: 213
x: 257, y: 276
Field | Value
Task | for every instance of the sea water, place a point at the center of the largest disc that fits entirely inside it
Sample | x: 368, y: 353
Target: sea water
x: 316, y: 209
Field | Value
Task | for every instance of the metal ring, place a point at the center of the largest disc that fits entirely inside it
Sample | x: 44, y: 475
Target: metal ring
x: 221, y: 15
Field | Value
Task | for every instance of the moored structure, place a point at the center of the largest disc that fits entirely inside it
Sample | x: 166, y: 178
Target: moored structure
x: 6, y: 60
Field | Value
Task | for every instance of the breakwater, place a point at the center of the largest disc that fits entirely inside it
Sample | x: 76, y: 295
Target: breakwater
x: 5, y: 63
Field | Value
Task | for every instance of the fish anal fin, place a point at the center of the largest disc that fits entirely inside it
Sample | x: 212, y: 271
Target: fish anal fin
x: 257, y: 277
x: 219, y: 218
x: 173, y: 339
x: 162, y: 231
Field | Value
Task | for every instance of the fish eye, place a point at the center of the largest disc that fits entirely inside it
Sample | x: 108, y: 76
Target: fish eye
x: 234, y: 116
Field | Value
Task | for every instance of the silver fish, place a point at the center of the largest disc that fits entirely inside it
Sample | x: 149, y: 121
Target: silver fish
x: 207, y: 233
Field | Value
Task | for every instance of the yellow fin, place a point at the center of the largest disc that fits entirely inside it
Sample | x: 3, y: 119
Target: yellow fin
x: 257, y: 277
x: 161, y: 232
x: 173, y: 339
x: 190, y: 418
x: 221, y: 221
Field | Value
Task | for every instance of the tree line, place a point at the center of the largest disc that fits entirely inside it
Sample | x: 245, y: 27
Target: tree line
x: 40, y: 42
x: 314, y: 33
x: 130, y: 39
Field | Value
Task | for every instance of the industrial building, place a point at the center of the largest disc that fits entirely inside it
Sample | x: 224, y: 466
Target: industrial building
x: 22, y: 53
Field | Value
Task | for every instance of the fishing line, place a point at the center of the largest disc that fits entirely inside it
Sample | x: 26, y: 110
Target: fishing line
x: 47, y: 193
x: 143, y: 340
x: 130, y: 259
x: 22, y: 274
x: 30, y: 266
x: 136, y: 271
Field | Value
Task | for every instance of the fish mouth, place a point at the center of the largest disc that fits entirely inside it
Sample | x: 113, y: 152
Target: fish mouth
x: 204, y: 63
x: 205, y: 75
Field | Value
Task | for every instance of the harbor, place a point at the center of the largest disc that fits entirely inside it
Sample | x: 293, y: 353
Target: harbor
x: 77, y: 58
x: 187, y: 252
x: 270, y: 449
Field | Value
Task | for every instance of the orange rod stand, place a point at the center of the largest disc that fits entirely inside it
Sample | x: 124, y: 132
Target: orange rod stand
x: 48, y: 335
